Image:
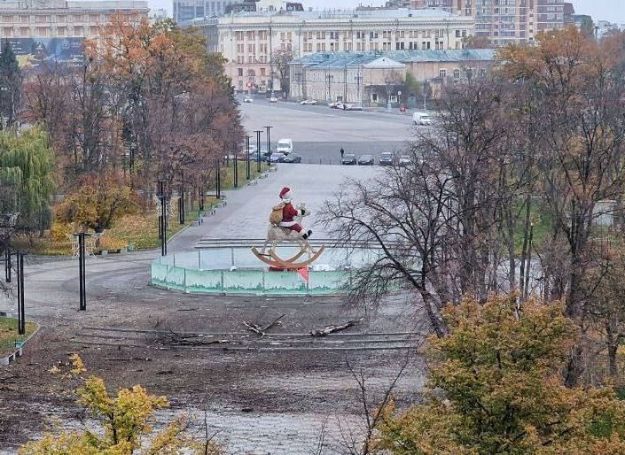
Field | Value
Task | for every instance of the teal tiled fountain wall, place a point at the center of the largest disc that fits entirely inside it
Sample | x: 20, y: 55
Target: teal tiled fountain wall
x: 235, y: 270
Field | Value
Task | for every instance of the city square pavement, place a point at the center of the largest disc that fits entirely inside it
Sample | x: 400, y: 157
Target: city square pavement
x: 246, y: 212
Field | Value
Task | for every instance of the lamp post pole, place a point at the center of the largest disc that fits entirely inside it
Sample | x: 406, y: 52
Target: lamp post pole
x: 236, y: 168
x: 181, y: 208
x: 21, y: 315
x: 247, y: 161
x: 258, y: 150
x: 268, y: 128
x: 81, y: 271
x: 163, y: 217
x: 218, y: 180
x: 7, y: 264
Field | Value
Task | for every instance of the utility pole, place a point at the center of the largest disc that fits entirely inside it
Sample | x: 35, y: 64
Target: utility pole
x: 7, y: 264
x: 358, y: 78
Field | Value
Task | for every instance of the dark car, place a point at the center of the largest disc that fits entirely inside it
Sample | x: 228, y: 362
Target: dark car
x: 292, y: 158
x: 276, y: 157
x: 348, y: 158
x: 366, y: 160
x: 386, y: 159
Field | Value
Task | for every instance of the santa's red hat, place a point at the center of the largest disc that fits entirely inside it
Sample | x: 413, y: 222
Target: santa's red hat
x: 284, y: 192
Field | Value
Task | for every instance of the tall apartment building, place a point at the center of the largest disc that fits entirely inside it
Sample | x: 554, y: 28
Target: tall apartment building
x: 512, y: 21
x: 188, y: 10
x: 248, y: 41
x: 59, y: 18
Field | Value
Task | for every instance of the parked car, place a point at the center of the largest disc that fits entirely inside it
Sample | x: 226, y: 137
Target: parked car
x: 263, y: 152
x: 366, y: 160
x: 276, y: 157
x: 273, y: 99
x: 348, y: 158
x: 386, y: 159
x: 404, y: 160
x: 337, y: 105
x: 285, y: 146
x: 292, y: 158
x: 248, y: 99
x: 421, y: 118
x: 308, y: 101
x: 353, y: 107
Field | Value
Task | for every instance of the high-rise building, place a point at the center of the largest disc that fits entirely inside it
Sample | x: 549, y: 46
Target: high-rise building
x: 512, y: 21
x: 187, y: 10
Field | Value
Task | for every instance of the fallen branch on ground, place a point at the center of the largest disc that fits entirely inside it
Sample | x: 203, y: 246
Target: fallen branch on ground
x: 260, y: 331
x: 332, y: 328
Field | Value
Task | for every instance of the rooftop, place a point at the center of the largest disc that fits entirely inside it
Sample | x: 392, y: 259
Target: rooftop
x: 343, y: 59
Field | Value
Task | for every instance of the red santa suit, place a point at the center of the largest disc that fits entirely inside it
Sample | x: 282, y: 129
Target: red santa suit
x: 289, y: 212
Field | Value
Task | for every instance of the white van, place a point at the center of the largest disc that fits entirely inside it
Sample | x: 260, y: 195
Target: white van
x: 421, y: 118
x: 285, y: 146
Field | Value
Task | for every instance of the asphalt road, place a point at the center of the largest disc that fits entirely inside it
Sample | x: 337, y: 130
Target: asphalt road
x: 319, y: 132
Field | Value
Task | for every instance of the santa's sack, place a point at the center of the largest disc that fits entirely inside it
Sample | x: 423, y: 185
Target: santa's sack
x: 276, y: 214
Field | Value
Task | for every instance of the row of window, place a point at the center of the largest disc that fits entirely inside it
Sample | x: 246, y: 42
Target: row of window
x: 263, y: 35
x: 51, y: 18
x: 43, y: 32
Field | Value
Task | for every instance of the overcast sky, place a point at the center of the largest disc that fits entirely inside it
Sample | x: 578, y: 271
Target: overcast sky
x: 611, y: 10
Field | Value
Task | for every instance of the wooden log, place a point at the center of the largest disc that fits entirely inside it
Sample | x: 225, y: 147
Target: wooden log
x: 332, y: 328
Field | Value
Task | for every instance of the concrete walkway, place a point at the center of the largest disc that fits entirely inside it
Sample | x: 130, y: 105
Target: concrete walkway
x: 247, y: 209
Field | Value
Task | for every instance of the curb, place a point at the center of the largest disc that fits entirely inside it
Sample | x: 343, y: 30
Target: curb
x: 12, y: 357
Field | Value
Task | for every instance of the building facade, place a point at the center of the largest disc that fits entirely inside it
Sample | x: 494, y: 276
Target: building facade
x: 373, y: 79
x: 43, y: 19
x: 249, y: 41
x: 512, y: 21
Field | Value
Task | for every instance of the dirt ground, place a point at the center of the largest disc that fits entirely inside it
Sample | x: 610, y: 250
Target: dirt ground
x: 261, y: 395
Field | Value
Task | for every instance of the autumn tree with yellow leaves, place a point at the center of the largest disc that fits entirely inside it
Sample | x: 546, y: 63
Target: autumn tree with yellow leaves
x: 495, y: 387
x: 125, y: 422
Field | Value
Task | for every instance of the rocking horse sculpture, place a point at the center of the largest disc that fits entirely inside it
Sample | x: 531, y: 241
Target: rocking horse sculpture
x: 284, y: 226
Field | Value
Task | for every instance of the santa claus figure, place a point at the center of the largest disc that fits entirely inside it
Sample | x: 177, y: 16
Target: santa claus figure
x: 289, y: 212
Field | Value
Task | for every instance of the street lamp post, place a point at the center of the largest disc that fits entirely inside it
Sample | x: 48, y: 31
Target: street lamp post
x: 7, y: 264
x: 268, y: 128
x: 236, y: 168
x: 21, y: 314
x: 81, y: 270
x: 218, y: 180
x: 162, y: 219
x: 258, y: 150
x: 247, y: 160
x: 181, y: 208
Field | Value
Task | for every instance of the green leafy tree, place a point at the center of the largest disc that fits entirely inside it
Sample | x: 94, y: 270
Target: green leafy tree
x: 496, y: 388
x: 26, y: 177
x: 10, y: 85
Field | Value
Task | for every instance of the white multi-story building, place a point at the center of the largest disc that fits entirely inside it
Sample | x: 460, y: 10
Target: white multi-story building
x: 249, y: 40
x: 43, y: 19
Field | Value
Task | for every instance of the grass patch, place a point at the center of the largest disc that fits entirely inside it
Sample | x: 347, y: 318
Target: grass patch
x: 138, y: 231
x: 9, y: 336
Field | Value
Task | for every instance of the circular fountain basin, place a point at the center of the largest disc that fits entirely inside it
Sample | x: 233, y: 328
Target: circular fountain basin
x: 235, y: 270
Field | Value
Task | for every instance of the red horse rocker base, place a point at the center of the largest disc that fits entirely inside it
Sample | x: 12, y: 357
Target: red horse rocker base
x: 285, y: 226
